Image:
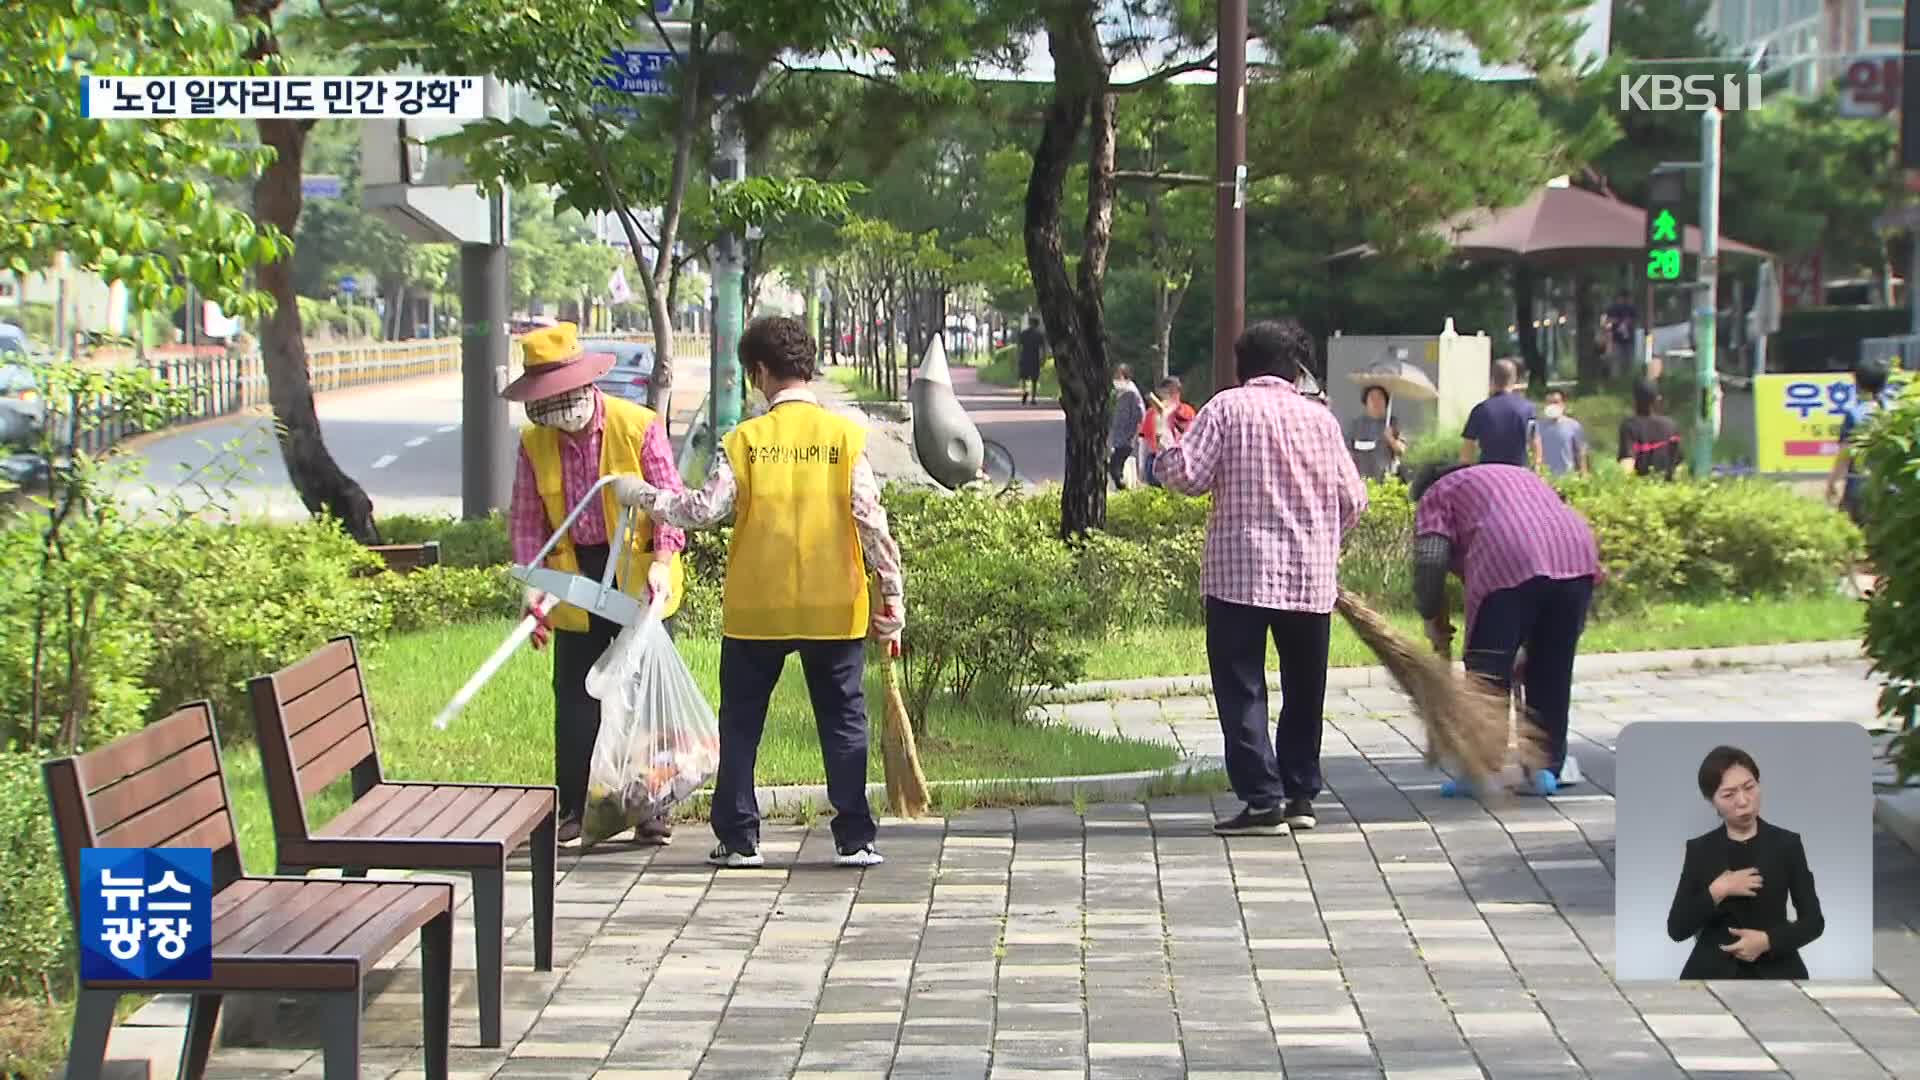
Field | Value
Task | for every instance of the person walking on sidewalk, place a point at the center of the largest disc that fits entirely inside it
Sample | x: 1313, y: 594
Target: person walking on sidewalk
x: 1033, y: 342
x: 1529, y: 563
x: 576, y: 436
x: 1129, y: 412
x: 808, y: 529
x: 1285, y: 493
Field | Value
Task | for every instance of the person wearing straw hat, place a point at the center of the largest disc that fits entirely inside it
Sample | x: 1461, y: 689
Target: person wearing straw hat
x: 1529, y: 563
x: 808, y: 529
x: 577, y: 435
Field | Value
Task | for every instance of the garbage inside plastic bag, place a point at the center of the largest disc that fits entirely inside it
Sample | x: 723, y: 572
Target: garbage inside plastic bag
x: 659, y: 740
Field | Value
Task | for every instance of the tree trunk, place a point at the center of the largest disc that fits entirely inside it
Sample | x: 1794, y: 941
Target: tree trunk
x: 323, y: 487
x: 1073, y: 315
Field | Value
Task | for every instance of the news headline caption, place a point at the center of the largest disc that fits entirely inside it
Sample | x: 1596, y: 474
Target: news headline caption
x: 282, y: 97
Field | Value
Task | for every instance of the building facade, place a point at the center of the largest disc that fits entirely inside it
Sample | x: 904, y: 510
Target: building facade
x: 1820, y: 41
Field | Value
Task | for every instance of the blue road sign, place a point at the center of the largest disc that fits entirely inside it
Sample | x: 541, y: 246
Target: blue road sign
x: 146, y: 914
x: 320, y: 187
x: 349, y: 286
x: 638, y: 71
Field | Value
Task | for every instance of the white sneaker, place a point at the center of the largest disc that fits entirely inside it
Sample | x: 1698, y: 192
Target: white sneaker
x: 861, y: 856
x: 729, y: 859
x: 1570, y: 771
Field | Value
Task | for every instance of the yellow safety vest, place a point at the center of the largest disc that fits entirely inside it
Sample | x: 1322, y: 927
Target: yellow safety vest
x: 795, y: 568
x: 623, y: 431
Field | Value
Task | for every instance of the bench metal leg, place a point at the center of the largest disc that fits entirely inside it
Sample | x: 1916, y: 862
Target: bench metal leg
x: 203, y: 1016
x: 544, y: 858
x: 436, y: 992
x: 489, y: 932
x: 340, y: 1035
x: 92, y: 1023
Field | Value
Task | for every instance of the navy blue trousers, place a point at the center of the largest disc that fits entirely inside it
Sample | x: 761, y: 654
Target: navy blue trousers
x: 1547, y: 616
x: 835, y: 672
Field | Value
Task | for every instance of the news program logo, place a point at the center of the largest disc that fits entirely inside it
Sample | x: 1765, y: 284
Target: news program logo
x: 146, y: 914
x: 1689, y: 93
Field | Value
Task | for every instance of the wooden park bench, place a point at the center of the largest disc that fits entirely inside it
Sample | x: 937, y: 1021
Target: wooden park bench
x: 315, y: 725
x: 164, y: 786
x: 406, y: 558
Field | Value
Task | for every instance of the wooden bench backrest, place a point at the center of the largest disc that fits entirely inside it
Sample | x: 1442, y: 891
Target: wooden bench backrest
x: 314, y: 727
x: 162, y: 786
x: 405, y: 558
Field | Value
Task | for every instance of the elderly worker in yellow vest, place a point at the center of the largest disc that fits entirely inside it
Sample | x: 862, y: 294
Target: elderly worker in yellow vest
x: 577, y: 435
x: 808, y: 529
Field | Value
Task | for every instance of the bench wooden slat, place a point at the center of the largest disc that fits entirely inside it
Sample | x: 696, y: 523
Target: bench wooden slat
x: 228, y: 899
x: 422, y: 813
x: 322, y: 702
x: 293, y: 934
x: 328, y: 731
x: 347, y: 821
x: 480, y: 822
x: 462, y: 804
x: 175, y: 815
x: 376, y: 936
x: 407, y: 798
x: 142, y: 749
x: 214, y: 831
x: 327, y: 661
x: 275, y: 896
x: 335, y: 763
x: 143, y: 790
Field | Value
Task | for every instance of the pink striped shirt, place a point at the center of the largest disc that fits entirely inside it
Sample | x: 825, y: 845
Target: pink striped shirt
x: 527, y: 523
x: 1285, y: 492
x: 1506, y: 526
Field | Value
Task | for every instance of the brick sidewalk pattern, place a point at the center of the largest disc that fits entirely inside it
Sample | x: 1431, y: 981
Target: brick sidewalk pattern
x: 1408, y: 937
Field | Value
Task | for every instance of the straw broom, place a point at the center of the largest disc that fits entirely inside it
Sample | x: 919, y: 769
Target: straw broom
x: 907, y: 795
x: 1468, y: 721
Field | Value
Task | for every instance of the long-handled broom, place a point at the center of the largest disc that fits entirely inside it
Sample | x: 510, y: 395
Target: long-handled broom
x: 907, y: 795
x: 1467, y: 720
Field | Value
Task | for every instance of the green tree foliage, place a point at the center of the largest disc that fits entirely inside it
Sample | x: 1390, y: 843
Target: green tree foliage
x: 131, y: 200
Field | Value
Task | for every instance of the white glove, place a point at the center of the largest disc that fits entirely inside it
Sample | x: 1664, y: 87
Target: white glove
x: 633, y: 491
x: 889, y: 619
x: 660, y: 582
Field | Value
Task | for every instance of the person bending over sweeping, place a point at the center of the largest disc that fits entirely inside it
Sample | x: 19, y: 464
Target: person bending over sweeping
x: 1529, y: 563
x: 576, y: 436
x: 800, y: 488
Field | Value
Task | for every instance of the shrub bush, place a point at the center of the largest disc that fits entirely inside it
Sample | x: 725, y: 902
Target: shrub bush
x: 35, y: 931
x: 1890, y: 456
x: 443, y: 595
x: 479, y: 543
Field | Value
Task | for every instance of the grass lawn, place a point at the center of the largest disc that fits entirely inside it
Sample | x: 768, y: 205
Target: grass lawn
x: 853, y: 382
x: 1161, y: 651
x: 506, y: 733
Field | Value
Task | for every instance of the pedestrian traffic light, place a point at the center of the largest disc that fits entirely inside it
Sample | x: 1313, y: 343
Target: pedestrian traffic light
x: 1666, y: 225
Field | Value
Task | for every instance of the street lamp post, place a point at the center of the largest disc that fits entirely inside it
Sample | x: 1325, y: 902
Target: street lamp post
x: 1230, y: 191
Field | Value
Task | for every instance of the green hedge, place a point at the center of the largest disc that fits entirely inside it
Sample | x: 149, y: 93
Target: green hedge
x: 1890, y: 456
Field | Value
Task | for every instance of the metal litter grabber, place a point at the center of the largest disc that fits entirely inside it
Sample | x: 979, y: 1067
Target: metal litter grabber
x: 602, y: 598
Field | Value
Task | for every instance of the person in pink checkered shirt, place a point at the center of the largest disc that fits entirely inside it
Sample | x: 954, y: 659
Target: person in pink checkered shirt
x: 1285, y: 494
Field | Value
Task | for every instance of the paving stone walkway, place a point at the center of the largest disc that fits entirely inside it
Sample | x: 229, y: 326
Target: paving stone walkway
x: 1408, y: 937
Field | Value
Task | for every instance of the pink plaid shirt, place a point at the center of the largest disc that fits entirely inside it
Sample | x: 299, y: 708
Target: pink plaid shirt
x: 1506, y: 526
x: 527, y: 523
x: 1285, y: 492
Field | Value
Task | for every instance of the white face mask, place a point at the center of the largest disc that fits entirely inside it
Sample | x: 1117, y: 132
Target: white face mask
x: 1555, y: 412
x: 570, y: 412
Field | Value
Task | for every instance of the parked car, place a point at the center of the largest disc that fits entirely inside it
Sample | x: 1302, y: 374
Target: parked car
x: 23, y: 412
x: 632, y: 369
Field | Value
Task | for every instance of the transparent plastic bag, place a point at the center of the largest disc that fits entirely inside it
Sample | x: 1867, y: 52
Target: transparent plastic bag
x: 659, y: 740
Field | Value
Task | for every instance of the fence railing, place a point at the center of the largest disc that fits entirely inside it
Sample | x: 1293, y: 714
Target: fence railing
x: 222, y: 384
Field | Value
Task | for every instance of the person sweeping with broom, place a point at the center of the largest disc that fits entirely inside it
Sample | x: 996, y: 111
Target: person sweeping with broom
x: 1285, y: 493
x: 1529, y: 563
x: 808, y: 528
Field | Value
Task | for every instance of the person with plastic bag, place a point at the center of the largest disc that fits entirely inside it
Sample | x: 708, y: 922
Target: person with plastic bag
x: 576, y: 436
x: 808, y: 529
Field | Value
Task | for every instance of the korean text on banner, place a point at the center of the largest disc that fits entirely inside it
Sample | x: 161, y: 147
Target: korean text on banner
x: 282, y: 97
x: 146, y: 914
x: 1796, y: 419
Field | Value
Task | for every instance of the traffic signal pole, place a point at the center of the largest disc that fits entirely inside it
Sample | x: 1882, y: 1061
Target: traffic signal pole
x: 1707, y: 299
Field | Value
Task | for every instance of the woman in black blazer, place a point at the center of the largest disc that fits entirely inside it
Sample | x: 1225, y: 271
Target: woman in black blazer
x: 1734, y: 885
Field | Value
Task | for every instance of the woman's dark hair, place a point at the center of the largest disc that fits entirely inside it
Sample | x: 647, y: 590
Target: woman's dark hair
x: 1870, y: 375
x: 1273, y: 347
x: 1646, y: 397
x: 1367, y: 394
x: 1713, y: 768
x: 781, y: 345
x: 1430, y: 475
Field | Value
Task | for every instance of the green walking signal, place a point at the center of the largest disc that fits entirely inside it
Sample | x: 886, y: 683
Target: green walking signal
x: 1666, y: 225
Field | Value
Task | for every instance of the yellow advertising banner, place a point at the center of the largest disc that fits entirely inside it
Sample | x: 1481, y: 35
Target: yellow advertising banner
x: 1796, y: 418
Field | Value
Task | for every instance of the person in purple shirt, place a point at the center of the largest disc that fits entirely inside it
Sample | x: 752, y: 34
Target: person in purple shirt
x: 1529, y: 563
x: 1500, y: 430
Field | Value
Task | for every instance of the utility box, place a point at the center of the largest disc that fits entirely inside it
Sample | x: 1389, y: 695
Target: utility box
x: 1459, y: 367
